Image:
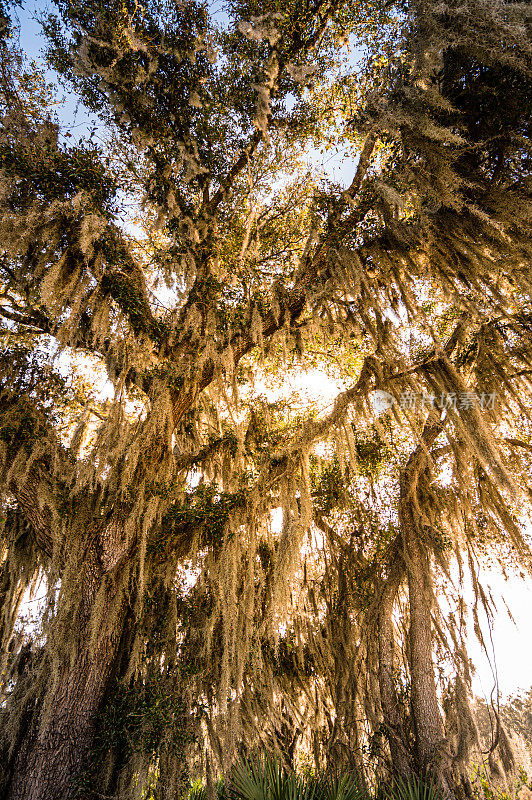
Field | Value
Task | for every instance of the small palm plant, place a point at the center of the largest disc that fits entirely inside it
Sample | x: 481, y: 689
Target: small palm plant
x: 266, y: 779
x: 414, y: 788
x: 340, y: 786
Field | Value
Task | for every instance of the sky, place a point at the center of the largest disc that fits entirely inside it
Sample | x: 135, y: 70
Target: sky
x: 509, y: 664
x: 510, y: 660
x: 72, y: 113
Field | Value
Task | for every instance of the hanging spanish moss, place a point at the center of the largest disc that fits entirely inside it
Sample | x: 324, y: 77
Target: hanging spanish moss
x: 222, y: 567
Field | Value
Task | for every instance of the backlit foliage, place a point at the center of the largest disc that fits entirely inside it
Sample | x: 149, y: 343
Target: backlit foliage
x: 226, y: 570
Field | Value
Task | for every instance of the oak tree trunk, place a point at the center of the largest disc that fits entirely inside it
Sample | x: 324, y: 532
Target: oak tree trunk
x: 431, y: 748
x: 53, y: 759
x: 391, y: 706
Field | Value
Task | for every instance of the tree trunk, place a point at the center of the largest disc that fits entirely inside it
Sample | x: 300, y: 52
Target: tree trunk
x: 431, y: 748
x: 390, y: 704
x: 426, y: 712
x: 52, y: 761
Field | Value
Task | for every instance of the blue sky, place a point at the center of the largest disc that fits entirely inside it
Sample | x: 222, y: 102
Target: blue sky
x: 72, y: 115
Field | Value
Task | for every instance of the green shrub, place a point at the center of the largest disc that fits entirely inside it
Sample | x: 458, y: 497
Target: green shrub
x: 413, y: 789
x: 266, y: 779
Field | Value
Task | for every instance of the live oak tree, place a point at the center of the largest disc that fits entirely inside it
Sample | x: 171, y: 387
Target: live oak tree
x: 171, y: 597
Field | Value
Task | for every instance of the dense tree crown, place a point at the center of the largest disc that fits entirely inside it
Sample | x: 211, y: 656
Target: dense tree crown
x: 230, y: 566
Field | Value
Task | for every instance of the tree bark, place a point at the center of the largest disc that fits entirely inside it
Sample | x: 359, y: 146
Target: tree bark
x: 51, y: 762
x: 390, y: 704
x: 431, y: 748
x: 425, y: 707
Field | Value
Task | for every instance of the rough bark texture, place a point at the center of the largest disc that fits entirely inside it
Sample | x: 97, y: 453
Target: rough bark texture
x: 432, y: 754
x: 430, y: 738
x: 51, y: 762
x: 390, y: 703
